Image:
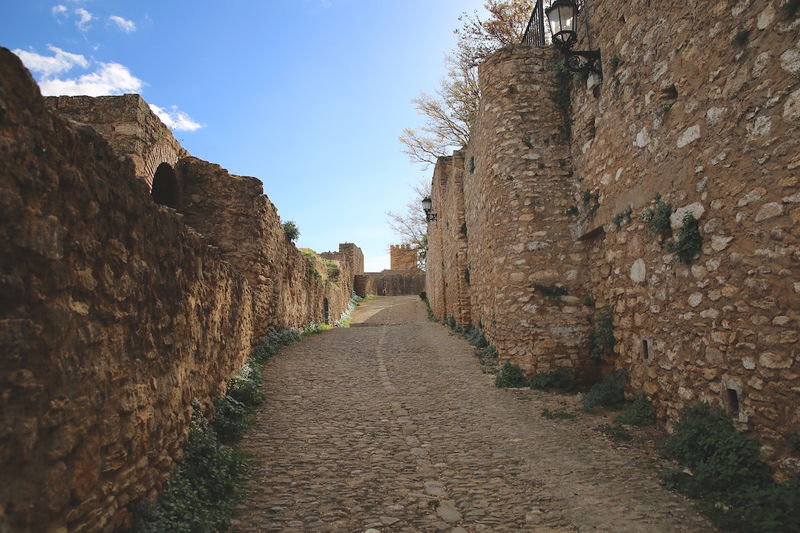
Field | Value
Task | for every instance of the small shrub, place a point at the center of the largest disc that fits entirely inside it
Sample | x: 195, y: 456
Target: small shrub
x: 450, y: 322
x: 291, y: 230
x: 615, y: 432
x: 793, y: 443
x: 245, y: 387
x: 230, y: 419
x: 557, y: 414
x: 741, y: 37
x: 640, y: 413
x: 791, y: 8
x: 688, y: 242
x: 423, y: 296
x: 477, y: 339
x: 609, y: 394
x: 487, y: 352
x: 562, y: 380
x: 614, y: 64
x: 510, y: 376
x: 552, y: 292
x: 571, y: 210
x: 588, y: 301
x: 625, y: 216
x: 601, y: 338
x: 657, y: 219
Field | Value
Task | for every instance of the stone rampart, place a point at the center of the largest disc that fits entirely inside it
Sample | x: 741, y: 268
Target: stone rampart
x: 396, y: 282
x: 403, y: 257
x: 129, y: 125
x: 114, y: 316
x: 700, y: 105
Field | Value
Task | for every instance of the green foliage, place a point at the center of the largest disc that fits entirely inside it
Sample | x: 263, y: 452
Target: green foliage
x: 664, y: 108
x: 487, y: 352
x: 450, y: 322
x: 625, y: 216
x: 640, y: 413
x: 476, y: 338
x: 615, y: 432
x: 201, y: 494
x: 557, y: 414
x: 601, y: 338
x: 791, y: 8
x: 423, y: 296
x: 571, y: 210
x: 552, y: 292
x: 245, y: 387
x: 741, y: 37
x: 591, y: 202
x: 273, y: 341
x: 688, y: 242
x: 721, y: 467
x: 510, y: 376
x: 614, y: 64
x: 658, y: 219
x: 291, y: 230
x: 562, y: 97
x: 588, y: 301
x: 562, y: 380
x: 793, y: 443
x: 230, y: 419
x: 609, y: 394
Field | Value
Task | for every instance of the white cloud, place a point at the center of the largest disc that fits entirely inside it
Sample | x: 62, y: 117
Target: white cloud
x: 108, y: 79
x: 123, y: 24
x: 176, y: 119
x: 47, y: 66
x: 84, y: 18
x: 59, y: 11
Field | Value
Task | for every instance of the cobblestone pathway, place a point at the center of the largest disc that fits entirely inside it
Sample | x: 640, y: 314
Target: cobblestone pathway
x: 390, y: 425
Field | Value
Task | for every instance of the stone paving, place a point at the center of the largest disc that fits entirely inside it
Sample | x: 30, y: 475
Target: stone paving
x: 391, y: 426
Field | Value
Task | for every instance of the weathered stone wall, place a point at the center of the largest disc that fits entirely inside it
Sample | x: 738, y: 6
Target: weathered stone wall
x: 712, y: 126
x: 396, y: 282
x: 129, y: 125
x: 114, y: 316
x: 289, y: 287
x: 447, y: 268
x: 402, y: 257
x: 700, y: 104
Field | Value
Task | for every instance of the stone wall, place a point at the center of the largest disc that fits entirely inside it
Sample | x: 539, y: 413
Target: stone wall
x: 403, y: 257
x: 396, y: 282
x: 289, y: 288
x: 129, y: 125
x: 711, y: 126
x: 700, y: 104
x: 114, y: 316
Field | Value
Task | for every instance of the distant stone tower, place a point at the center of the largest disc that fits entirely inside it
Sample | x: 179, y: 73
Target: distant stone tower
x: 403, y: 257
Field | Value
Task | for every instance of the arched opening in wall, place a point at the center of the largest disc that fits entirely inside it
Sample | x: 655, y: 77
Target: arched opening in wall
x: 325, y: 311
x: 165, y: 187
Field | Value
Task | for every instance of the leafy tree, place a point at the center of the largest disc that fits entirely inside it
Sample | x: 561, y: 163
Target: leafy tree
x: 291, y: 230
x: 411, y: 225
x: 450, y: 114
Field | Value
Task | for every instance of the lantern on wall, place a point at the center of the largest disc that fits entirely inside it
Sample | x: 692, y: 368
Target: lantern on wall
x: 427, y: 205
x: 562, y: 16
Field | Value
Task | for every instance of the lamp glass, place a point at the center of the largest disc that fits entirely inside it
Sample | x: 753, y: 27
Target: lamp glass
x: 562, y: 16
x: 427, y: 204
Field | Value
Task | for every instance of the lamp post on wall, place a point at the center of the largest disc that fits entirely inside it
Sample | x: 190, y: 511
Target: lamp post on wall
x: 562, y: 16
x: 427, y: 204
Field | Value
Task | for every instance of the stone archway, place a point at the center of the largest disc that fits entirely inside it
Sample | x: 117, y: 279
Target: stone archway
x: 166, y: 188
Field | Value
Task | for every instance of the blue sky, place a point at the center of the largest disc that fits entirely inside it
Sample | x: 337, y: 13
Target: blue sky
x: 307, y: 95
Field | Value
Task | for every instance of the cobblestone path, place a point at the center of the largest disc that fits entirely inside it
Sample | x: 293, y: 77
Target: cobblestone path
x: 391, y: 426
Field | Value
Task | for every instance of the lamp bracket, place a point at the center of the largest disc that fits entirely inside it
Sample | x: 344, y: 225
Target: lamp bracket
x: 583, y: 61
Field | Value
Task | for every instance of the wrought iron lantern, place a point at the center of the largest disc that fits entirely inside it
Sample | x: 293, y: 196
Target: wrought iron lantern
x: 562, y: 16
x: 427, y: 204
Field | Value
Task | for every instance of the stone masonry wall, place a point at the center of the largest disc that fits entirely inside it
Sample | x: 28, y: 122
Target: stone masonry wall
x: 114, y: 316
x: 517, y: 188
x: 402, y: 257
x: 289, y: 287
x: 396, y: 282
x: 712, y: 126
x: 129, y: 125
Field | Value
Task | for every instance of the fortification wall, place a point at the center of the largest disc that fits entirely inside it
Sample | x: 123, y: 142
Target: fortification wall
x: 289, y: 287
x: 396, y: 282
x: 129, y: 125
x: 711, y: 126
x: 402, y: 257
x: 114, y: 316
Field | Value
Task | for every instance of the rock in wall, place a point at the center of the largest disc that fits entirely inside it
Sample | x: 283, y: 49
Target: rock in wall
x: 114, y: 316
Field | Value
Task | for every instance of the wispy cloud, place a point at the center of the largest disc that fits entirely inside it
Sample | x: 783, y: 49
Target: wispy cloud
x: 108, y: 79
x: 123, y: 24
x: 84, y: 19
x: 60, y: 12
x: 48, y: 66
x: 176, y: 119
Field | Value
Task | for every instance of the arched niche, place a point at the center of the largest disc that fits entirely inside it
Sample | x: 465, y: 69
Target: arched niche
x: 166, y: 189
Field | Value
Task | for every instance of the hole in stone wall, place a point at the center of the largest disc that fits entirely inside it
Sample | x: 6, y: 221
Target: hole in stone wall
x: 646, y: 349
x: 669, y: 94
x: 471, y: 164
x: 732, y: 400
x: 325, y: 311
x: 165, y: 187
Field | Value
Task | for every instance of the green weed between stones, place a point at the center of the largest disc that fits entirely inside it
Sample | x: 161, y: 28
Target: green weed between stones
x: 609, y: 394
x: 657, y: 219
x: 561, y: 380
x: 720, y: 466
x: 615, y: 432
x: 557, y: 414
x: 639, y: 413
x: 688, y: 242
x: 601, y: 338
x: 510, y: 376
x: 201, y: 494
x: 552, y: 292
